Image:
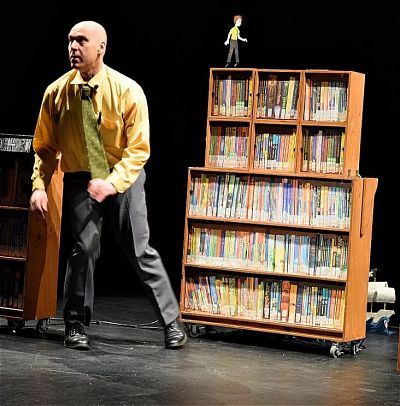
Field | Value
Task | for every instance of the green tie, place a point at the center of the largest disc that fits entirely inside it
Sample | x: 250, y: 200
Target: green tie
x: 96, y: 155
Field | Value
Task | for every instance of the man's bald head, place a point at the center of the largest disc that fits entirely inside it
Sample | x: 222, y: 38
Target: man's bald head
x: 96, y: 29
x: 87, y: 46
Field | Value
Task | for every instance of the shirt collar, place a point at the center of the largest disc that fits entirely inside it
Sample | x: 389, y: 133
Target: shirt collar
x: 94, y: 82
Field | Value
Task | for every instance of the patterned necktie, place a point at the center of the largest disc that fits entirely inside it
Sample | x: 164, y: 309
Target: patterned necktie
x: 95, y: 150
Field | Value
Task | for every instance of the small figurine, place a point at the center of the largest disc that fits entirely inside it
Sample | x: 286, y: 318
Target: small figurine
x: 232, y: 40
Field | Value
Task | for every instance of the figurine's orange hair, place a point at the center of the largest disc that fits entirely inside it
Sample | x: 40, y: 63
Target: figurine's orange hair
x: 235, y: 18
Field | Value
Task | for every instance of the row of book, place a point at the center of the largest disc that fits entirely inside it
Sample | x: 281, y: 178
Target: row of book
x: 13, y: 234
x: 275, y: 151
x: 325, y: 100
x: 228, y: 146
x: 232, y: 97
x: 323, y: 255
x: 11, y: 285
x: 15, y: 181
x: 266, y: 299
x: 16, y: 143
x: 323, y: 151
x: 278, y: 98
x: 279, y: 200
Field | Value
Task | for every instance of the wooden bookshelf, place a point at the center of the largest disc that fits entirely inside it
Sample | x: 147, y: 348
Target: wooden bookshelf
x: 278, y: 222
x: 398, y: 352
x: 29, y: 245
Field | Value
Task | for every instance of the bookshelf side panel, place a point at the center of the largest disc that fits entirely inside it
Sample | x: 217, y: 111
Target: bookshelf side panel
x: 354, y: 123
x: 43, y: 255
x: 359, y: 259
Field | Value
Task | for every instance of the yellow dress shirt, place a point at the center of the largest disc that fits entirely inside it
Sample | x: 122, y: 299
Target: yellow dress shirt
x: 121, y: 107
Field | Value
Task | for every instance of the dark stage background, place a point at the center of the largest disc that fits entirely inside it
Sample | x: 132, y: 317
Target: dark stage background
x: 168, y: 49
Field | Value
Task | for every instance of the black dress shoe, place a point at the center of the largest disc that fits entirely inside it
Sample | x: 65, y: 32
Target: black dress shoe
x: 227, y: 65
x: 236, y: 65
x: 76, y: 338
x: 175, y: 336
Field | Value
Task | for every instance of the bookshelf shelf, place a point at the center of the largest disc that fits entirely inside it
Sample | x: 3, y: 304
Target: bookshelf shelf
x: 12, y: 258
x: 266, y: 223
x: 255, y: 271
x: 237, y: 119
x: 14, y: 208
x: 29, y: 245
x: 277, y: 328
x: 278, y: 222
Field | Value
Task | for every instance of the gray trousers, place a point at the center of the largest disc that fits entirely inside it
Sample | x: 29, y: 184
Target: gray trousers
x: 233, y: 46
x: 126, y: 214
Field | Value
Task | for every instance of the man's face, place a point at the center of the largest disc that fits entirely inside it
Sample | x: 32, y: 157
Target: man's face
x: 84, y: 48
x: 239, y: 22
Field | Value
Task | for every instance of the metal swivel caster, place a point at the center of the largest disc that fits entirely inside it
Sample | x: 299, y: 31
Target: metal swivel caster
x: 42, y: 326
x: 335, y: 351
x: 15, y: 325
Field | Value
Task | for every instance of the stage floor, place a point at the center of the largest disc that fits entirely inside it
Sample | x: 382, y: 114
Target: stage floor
x: 130, y: 366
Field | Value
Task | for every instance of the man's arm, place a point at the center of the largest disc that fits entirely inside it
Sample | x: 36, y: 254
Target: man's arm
x: 45, y: 148
x: 99, y: 189
x: 137, y: 133
x: 135, y: 154
x: 39, y: 201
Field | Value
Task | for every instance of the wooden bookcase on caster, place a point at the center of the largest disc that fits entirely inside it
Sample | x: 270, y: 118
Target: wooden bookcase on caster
x: 29, y: 245
x: 278, y: 223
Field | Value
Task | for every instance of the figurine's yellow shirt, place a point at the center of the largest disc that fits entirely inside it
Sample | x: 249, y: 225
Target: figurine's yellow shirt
x: 234, y: 33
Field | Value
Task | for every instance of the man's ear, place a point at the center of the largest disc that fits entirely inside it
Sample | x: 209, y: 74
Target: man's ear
x: 102, y: 48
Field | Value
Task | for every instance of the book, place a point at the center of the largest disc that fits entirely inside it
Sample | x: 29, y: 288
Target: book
x: 15, y: 143
x: 285, y: 300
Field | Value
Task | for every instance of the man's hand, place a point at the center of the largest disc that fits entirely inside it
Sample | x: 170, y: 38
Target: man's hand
x: 39, y: 201
x: 99, y: 189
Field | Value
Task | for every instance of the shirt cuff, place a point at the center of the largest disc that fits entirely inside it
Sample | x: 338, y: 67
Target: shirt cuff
x: 38, y: 183
x: 120, y: 185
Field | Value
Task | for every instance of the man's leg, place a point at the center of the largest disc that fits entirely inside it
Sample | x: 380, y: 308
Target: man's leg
x: 86, y: 221
x: 128, y: 221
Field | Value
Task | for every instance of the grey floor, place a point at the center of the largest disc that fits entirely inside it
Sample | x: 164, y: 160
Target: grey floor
x: 129, y: 366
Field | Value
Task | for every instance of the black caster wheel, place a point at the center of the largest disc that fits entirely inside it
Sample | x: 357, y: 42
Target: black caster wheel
x: 193, y: 330
x: 335, y: 351
x: 42, y: 326
x: 15, y: 325
x: 356, y: 347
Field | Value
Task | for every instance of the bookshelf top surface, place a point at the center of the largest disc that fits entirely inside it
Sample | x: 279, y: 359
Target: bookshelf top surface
x: 15, y: 143
x: 306, y: 71
x: 6, y: 135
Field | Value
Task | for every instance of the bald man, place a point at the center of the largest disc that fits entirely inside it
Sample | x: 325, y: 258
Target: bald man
x: 118, y: 196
